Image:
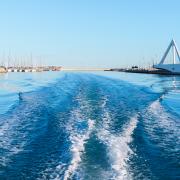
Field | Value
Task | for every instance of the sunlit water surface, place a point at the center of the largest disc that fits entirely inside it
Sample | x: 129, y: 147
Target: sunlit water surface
x: 91, y: 126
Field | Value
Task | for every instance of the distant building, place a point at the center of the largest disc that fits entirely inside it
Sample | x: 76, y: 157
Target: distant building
x: 3, y: 69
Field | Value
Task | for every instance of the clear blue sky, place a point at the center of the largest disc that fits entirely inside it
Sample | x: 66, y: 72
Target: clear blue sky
x: 96, y: 33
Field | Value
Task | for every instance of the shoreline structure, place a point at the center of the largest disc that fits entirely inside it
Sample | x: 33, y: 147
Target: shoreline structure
x: 48, y: 68
x: 145, y: 71
x: 133, y: 69
x: 58, y: 68
x: 161, y: 68
x: 29, y: 69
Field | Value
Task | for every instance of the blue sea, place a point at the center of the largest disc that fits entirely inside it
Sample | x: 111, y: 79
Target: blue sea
x: 89, y: 126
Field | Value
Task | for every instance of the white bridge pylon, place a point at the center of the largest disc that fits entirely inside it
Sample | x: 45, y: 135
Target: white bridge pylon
x: 175, y: 51
x: 174, y: 67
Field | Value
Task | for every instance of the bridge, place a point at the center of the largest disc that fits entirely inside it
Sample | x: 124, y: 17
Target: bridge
x: 173, y: 67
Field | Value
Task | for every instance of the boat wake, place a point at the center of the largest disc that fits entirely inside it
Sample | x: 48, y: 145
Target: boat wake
x: 163, y: 121
x: 90, y: 127
x: 118, y: 145
x: 80, y: 129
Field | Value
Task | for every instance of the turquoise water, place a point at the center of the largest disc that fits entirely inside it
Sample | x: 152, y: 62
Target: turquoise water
x: 99, y: 125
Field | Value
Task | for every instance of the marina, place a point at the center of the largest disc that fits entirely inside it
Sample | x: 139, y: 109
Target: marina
x: 162, y: 68
x: 29, y: 69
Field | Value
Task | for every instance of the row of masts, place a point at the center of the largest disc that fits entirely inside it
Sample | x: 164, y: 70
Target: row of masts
x: 21, y: 61
x: 24, y: 64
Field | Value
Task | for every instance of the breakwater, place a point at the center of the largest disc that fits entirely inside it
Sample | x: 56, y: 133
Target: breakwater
x: 145, y: 71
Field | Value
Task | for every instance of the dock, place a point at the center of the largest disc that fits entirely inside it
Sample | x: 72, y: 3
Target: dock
x: 145, y: 71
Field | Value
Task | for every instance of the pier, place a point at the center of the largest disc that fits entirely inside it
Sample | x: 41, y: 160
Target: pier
x: 145, y: 71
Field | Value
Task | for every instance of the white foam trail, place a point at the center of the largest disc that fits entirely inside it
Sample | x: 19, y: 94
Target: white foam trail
x: 161, y: 119
x: 79, y: 128
x: 78, y: 137
x: 119, y: 150
x: 77, y: 148
x: 78, y: 141
x: 157, y: 110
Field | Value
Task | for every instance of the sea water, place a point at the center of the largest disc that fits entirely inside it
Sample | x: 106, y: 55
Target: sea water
x: 91, y: 126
